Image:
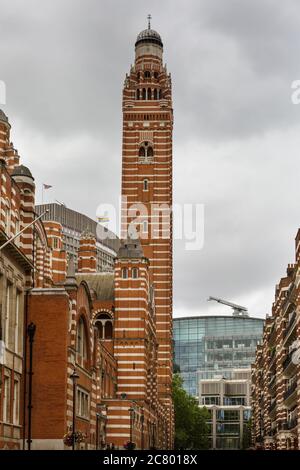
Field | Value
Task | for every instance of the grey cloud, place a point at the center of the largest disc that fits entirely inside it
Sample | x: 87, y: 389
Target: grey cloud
x: 236, y: 132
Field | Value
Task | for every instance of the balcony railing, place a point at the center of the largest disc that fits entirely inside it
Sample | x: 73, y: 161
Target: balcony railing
x: 272, y: 406
x: 292, y: 423
x: 290, y: 390
x: 272, y: 381
x: 289, y: 325
x: 272, y: 355
x: 287, y: 361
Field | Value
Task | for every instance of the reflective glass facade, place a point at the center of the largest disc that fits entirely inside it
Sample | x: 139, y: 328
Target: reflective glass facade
x: 209, y: 345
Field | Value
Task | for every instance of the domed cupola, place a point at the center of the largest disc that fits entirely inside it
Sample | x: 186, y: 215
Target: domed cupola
x: 149, y: 36
x: 149, y: 42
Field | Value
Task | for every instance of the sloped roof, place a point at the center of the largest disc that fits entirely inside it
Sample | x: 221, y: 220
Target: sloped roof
x: 101, y: 283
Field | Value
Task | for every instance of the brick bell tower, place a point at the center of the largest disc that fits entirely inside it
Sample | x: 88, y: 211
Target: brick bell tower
x: 147, y: 187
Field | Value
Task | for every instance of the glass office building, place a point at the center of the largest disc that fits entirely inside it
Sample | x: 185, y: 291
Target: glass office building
x: 207, y: 346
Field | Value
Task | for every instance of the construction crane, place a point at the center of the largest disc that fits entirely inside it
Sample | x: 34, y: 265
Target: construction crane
x: 238, y: 310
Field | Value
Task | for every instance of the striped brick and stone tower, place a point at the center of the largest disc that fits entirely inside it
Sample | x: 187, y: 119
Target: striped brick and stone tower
x: 87, y: 253
x: 147, y: 186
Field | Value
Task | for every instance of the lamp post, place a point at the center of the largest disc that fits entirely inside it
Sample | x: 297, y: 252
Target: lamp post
x: 31, y: 332
x: 74, y: 376
x: 153, y: 434
x: 131, y: 411
x: 142, y: 422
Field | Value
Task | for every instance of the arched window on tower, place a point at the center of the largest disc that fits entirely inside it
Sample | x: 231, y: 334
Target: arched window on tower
x: 144, y: 94
x: 145, y: 185
x: 149, y: 94
x: 81, y: 339
x: 146, y: 153
x: 135, y: 273
x: 137, y: 94
x: 147, y: 74
x: 124, y: 273
x: 160, y: 95
x: 155, y: 96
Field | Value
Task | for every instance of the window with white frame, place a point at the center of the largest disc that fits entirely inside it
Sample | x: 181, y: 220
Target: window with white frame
x: 135, y: 273
x: 8, y: 302
x: 18, y: 322
x: 16, y: 404
x: 82, y: 404
x: 6, y: 400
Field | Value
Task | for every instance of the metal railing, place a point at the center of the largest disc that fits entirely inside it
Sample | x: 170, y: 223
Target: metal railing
x: 290, y: 390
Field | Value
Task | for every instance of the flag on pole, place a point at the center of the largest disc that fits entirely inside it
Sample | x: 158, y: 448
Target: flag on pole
x: 47, y: 186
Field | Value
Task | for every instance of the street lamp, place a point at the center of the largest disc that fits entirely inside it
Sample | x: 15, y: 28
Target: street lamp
x: 30, y: 332
x: 153, y: 435
x: 74, y: 376
x: 142, y: 421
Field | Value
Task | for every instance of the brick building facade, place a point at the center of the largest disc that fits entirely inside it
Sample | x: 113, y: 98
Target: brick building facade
x: 276, y: 372
x: 113, y: 328
x: 147, y: 188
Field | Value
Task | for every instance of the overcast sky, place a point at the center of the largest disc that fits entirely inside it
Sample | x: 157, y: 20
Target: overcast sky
x: 236, y: 134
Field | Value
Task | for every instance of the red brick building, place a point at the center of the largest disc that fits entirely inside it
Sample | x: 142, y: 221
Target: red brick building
x: 276, y: 372
x: 24, y: 263
x: 147, y: 189
x: 113, y: 328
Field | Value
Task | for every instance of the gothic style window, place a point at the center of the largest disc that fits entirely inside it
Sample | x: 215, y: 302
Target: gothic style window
x: 144, y: 94
x: 149, y: 97
x: 137, y: 94
x: 160, y: 94
x: 155, y: 94
x: 147, y: 74
x: 124, y: 273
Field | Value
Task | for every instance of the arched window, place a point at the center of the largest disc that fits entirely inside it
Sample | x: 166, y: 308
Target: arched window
x: 144, y: 94
x: 155, y: 94
x: 149, y: 97
x: 124, y: 273
x: 135, y: 273
x: 104, y: 324
x: 81, y: 340
x: 137, y: 94
x: 160, y: 94
x: 155, y: 75
x: 146, y: 153
x: 147, y: 74
x: 145, y: 185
